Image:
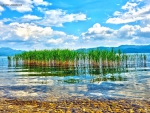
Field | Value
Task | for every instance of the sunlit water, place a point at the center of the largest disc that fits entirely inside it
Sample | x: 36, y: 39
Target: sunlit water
x: 20, y: 82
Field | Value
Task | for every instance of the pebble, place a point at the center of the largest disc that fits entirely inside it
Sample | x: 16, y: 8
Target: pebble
x: 75, y: 105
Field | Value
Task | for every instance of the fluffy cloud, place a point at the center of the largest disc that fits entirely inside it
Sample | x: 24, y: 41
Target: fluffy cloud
x: 129, y: 6
x: 6, y: 20
x: 55, y: 41
x: 98, y: 32
x: 51, y: 18
x: 1, y: 9
x: 127, y: 31
x: 31, y: 31
x: 131, y: 12
x: 144, y: 32
x: 42, y: 10
x: 31, y: 17
x: 58, y: 17
x: 23, y: 5
x: 26, y: 34
x: 129, y: 34
x: 41, y: 2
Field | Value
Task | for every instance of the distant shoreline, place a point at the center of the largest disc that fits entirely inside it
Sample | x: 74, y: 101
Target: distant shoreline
x: 124, y: 48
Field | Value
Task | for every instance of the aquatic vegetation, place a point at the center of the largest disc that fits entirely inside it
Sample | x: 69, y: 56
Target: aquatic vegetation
x: 68, y: 59
x: 9, y: 60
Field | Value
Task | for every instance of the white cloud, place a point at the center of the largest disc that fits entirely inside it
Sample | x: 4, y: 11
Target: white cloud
x: 55, y: 41
x: 98, y: 32
x: 146, y: 29
x: 127, y: 31
x: 23, y: 5
x: 144, y: 32
x: 22, y: 9
x: 6, y: 20
x: 1, y: 9
x: 31, y: 31
x: 42, y: 10
x: 6, y: 33
x: 131, y: 12
x: 41, y: 2
x: 129, y: 6
x: 58, y: 17
x: 51, y: 18
x: 24, y: 19
x: 31, y: 17
x: 31, y: 35
x: 117, y: 13
x: 127, y: 34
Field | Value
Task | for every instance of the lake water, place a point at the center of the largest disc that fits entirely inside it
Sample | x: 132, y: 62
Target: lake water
x: 24, y: 82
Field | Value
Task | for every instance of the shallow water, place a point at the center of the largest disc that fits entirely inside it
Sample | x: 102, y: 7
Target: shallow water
x: 54, y: 83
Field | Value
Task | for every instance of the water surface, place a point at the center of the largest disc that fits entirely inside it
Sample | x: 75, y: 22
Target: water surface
x: 53, y: 83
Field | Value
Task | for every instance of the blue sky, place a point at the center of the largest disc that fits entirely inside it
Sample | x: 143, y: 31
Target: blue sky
x: 43, y: 24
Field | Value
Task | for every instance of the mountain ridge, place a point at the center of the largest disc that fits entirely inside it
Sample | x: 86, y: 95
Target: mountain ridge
x: 123, y: 48
x: 6, y: 51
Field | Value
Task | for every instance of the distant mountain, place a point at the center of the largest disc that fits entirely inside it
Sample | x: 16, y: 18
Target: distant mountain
x: 124, y: 48
x: 5, y: 51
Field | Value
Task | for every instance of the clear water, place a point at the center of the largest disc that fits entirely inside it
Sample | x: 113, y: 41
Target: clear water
x: 23, y: 82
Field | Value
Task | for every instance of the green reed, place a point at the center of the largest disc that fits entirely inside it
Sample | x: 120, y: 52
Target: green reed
x: 71, y: 58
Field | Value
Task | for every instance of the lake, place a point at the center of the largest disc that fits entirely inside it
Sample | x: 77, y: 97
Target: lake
x: 38, y: 83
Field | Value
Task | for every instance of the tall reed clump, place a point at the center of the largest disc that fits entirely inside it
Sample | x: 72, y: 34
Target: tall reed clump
x: 9, y: 60
x: 105, y: 58
x: 55, y: 57
x: 72, y: 58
